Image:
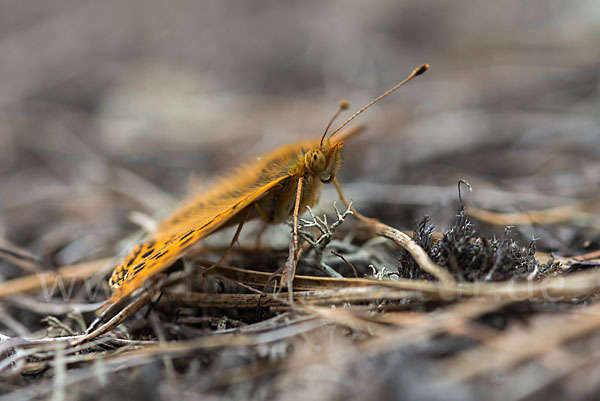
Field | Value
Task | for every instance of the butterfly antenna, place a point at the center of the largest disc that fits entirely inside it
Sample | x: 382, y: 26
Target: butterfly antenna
x: 417, y: 71
x: 343, y: 106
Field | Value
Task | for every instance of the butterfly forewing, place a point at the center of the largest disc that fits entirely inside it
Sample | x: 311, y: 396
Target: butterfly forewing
x: 152, y: 257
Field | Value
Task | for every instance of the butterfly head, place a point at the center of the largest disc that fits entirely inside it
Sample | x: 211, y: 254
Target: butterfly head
x: 325, y: 160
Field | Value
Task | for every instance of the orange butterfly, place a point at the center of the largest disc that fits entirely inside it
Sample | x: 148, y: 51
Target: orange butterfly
x: 273, y: 189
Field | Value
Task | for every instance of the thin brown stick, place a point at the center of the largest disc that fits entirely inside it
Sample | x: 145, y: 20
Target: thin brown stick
x: 22, y: 258
x: 119, y: 318
x: 418, y: 253
x: 359, y: 216
x: 325, y: 297
x: 350, y: 265
x: 552, y: 215
x: 35, y: 282
x: 588, y: 256
x: 313, y: 283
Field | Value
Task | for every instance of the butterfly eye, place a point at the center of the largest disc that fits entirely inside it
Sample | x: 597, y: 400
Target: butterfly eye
x: 315, y: 161
x: 326, y: 180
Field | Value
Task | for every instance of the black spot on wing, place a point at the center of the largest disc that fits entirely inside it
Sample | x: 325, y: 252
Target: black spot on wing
x: 187, y: 235
x: 160, y: 254
x: 185, y: 241
x: 139, y: 267
x: 146, y: 254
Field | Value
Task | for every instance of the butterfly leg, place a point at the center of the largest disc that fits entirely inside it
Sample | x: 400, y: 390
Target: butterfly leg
x: 295, y: 218
x: 287, y: 277
x: 234, y: 240
x: 343, y: 199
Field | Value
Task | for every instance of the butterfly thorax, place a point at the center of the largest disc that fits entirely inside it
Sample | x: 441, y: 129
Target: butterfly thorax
x: 316, y: 165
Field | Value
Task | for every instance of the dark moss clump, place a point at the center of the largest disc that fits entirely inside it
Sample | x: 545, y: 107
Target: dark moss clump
x: 470, y: 257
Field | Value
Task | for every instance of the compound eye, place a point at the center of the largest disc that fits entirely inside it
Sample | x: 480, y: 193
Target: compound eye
x: 316, y: 161
x: 326, y: 180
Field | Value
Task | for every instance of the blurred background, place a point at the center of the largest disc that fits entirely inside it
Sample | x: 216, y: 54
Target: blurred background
x: 119, y: 106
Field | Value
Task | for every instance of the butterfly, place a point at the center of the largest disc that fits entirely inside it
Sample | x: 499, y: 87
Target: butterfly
x: 272, y: 189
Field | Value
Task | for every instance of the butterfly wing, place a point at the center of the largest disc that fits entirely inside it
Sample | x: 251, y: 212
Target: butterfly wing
x: 152, y: 257
x: 140, y: 252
